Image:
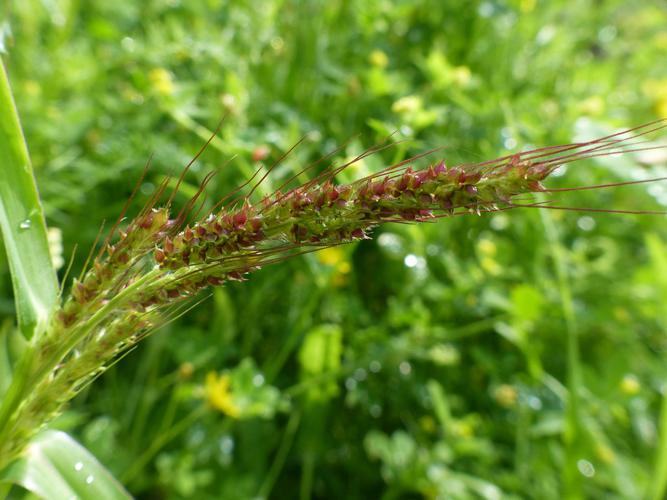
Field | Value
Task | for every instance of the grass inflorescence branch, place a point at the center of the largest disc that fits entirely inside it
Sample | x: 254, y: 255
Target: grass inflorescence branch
x: 158, y: 259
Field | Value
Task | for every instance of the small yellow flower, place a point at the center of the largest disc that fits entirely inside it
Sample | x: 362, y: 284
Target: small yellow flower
x: 488, y: 250
x: 463, y: 429
x: 605, y: 454
x: 335, y: 257
x: 630, y: 385
x: 378, y: 58
x: 162, y: 81
x: 219, y: 395
x: 331, y: 256
x: 594, y: 105
x: 657, y: 91
x: 506, y: 395
x: 661, y: 106
x: 408, y: 104
x: 461, y: 75
x: 487, y: 247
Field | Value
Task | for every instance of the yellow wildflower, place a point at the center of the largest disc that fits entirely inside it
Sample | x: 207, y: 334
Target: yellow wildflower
x: 162, y: 81
x: 219, y: 395
x: 461, y: 75
x: 661, y: 106
x: 656, y: 90
x: 335, y: 257
x: 630, y: 385
x: 331, y: 256
x: 506, y: 395
x: 593, y: 105
x: 408, y: 104
x: 487, y: 247
x: 605, y: 454
x: 378, y: 58
x: 462, y: 428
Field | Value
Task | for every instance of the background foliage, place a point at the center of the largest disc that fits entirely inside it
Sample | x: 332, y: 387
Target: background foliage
x: 428, y: 362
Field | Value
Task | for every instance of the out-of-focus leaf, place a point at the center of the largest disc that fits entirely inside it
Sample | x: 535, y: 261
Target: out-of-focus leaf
x: 321, y: 353
x: 657, y: 251
x: 57, y: 467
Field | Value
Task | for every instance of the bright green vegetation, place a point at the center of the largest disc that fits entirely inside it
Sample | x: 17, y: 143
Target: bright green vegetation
x: 514, y: 355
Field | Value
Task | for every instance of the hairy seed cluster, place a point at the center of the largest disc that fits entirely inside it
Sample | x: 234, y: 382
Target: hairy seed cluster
x: 326, y: 214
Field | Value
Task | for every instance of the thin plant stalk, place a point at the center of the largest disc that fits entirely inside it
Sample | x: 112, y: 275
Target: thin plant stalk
x: 572, y: 487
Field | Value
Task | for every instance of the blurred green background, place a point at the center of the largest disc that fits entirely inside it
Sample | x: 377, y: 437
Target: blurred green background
x: 430, y: 362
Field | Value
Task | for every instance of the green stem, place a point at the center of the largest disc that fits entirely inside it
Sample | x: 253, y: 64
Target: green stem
x: 160, y: 442
x: 659, y: 486
x: 572, y: 434
x: 281, y: 455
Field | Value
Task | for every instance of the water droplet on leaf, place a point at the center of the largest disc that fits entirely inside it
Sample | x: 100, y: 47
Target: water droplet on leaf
x: 586, y: 468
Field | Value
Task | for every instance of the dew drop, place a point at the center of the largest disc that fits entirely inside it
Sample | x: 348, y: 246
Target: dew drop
x: 586, y: 223
x: 391, y: 243
x: 500, y: 222
x: 25, y: 224
x: 410, y: 260
x: 78, y: 466
x: 510, y: 143
x: 90, y: 479
x: 586, y: 468
x: 226, y: 445
x: 128, y: 44
x: 534, y: 403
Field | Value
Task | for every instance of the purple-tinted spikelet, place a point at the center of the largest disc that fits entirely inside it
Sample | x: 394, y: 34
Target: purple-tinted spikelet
x: 322, y: 214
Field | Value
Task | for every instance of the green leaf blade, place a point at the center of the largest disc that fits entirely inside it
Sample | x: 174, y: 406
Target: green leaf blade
x: 56, y: 467
x: 22, y: 222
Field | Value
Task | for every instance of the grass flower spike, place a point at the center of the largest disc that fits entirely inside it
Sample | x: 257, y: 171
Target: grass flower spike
x: 160, y: 259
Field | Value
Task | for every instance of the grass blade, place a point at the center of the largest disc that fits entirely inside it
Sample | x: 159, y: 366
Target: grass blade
x: 22, y: 222
x: 57, y: 467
